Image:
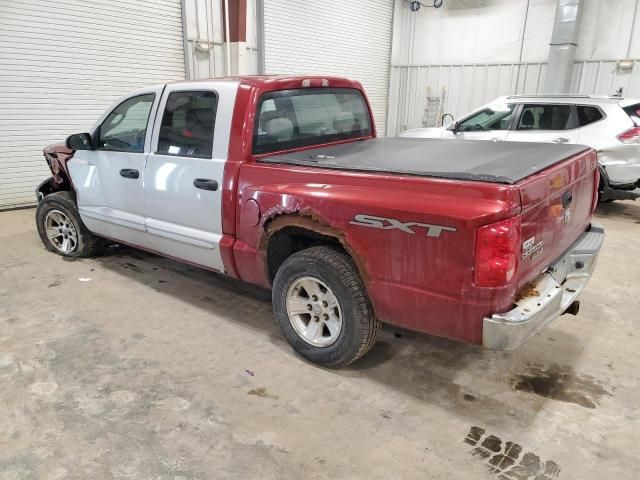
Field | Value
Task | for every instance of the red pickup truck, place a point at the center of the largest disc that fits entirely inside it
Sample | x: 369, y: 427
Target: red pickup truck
x: 282, y: 182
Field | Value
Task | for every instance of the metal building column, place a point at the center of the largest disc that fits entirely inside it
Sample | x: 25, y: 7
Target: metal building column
x: 562, y: 51
x: 236, y: 36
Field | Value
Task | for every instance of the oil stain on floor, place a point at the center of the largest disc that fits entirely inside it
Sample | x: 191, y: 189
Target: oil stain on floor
x: 261, y: 392
x: 507, y: 460
x: 561, y: 383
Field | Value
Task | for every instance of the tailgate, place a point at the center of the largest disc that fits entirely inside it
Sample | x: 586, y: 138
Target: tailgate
x: 557, y: 205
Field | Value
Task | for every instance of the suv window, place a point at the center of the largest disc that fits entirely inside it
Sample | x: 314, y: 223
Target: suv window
x: 545, y: 117
x: 496, y: 117
x: 587, y: 115
x: 187, y: 124
x: 295, y: 118
x: 125, y: 127
x: 634, y: 113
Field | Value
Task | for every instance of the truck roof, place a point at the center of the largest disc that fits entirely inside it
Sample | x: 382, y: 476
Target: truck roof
x: 255, y: 80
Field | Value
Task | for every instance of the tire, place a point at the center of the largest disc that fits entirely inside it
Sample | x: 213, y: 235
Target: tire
x: 335, y: 272
x: 58, y: 211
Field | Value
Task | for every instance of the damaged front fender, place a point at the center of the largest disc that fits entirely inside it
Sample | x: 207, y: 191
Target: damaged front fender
x: 57, y: 156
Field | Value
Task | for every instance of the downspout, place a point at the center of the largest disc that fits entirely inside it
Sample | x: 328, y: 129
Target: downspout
x: 562, y: 51
x: 226, y: 37
x: 633, y: 27
x: 260, y: 31
x: 524, y: 32
x: 188, y: 64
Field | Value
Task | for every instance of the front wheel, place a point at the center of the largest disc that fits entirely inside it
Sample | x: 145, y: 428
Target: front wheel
x: 61, y: 229
x: 322, y: 307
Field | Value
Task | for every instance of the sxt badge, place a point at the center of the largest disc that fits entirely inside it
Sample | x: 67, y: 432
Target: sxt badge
x: 391, y: 224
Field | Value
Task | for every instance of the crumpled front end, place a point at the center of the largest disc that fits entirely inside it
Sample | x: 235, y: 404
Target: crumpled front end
x: 57, y: 156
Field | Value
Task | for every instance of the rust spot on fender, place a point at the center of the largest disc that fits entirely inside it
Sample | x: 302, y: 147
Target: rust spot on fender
x: 280, y: 218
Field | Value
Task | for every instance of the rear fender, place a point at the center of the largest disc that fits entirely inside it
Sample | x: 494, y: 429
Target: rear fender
x: 306, y: 220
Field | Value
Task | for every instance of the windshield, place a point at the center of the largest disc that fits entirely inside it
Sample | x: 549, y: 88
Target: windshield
x: 495, y: 117
x: 309, y: 116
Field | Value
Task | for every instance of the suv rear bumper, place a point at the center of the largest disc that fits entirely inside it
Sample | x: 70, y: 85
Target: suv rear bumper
x: 553, y: 293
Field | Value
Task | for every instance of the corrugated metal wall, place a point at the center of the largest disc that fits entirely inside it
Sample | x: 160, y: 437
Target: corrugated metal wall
x: 63, y: 63
x: 469, y: 86
x: 330, y: 37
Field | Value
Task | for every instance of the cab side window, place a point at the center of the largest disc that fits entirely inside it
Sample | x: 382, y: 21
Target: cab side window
x: 125, y: 128
x: 545, y: 117
x: 497, y: 117
x: 187, y: 124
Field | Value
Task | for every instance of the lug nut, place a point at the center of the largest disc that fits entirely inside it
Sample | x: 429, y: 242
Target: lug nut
x: 314, y: 298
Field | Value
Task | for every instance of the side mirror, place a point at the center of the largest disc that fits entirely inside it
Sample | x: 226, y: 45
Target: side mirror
x: 453, y: 127
x: 447, y: 119
x: 79, y: 141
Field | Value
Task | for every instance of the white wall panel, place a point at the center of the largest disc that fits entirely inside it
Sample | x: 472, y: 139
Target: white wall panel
x: 494, y: 31
x: 332, y: 37
x: 63, y: 62
x: 466, y: 31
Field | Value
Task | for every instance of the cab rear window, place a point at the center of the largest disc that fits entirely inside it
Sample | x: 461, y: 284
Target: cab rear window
x: 309, y: 116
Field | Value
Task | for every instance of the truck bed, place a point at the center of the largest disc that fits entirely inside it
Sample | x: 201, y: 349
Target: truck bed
x: 483, y: 161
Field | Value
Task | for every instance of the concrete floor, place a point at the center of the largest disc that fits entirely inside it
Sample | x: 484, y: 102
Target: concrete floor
x: 155, y: 370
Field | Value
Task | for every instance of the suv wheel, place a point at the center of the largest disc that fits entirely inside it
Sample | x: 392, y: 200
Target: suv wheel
x: 61, y: 229
x: 322, y: 307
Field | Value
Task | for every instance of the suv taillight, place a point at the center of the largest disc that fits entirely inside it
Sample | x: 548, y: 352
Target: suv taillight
x: 497, y: 247
x: 630, y: 136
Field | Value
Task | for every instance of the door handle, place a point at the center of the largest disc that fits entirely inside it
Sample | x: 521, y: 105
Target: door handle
x: 497, y: 139
x: 129, y: 173
x: 205, y: 184
x: 560, y: 140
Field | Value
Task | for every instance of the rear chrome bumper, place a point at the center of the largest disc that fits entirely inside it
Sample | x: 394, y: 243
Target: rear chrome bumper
x: 553, y: 293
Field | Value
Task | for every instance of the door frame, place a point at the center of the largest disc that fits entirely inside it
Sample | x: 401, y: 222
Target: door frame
x: 192, y: 240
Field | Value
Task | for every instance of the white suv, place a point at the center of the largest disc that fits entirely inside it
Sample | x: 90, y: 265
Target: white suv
x: 610, y: 125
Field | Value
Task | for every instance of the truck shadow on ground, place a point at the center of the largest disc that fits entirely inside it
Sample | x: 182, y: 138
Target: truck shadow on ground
x: 621, y: 210
x: 464, y: 379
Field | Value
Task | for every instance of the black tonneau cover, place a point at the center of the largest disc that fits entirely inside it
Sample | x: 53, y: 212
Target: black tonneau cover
x: 484, y: 161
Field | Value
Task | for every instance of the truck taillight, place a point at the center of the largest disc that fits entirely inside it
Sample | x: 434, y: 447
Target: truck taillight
x: 630, y: 136
x: 497, y: 247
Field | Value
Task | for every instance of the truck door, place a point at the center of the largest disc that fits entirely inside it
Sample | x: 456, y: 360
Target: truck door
x: 545, y: 123
x: 491, y: 123
x: 184, y: 172
x: 108, y: 179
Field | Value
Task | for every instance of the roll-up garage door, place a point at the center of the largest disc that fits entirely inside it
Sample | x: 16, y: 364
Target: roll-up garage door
x: 63, y: 62
x: 345, y: 38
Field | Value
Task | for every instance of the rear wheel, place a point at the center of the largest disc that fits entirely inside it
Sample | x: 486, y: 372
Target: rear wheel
x: 61, y: 229
x: 322, y: 307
